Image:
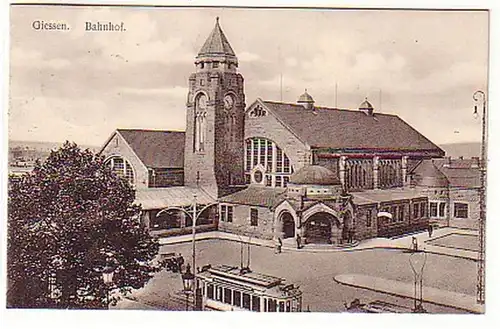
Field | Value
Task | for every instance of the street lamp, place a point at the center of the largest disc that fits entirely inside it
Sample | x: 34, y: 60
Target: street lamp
x: 417, y: 263
x: 187, y: 282
x: 194, y: 215
x: 481, y: 96
x: 107, y: 277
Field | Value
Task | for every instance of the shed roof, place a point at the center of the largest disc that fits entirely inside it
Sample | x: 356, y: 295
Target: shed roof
x: 178, y: 196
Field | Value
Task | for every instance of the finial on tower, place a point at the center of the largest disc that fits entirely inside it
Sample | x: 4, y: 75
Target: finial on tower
x: 217, y: 19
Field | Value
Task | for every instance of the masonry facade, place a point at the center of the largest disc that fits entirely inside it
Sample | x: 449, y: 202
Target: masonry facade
x: 278, y: 170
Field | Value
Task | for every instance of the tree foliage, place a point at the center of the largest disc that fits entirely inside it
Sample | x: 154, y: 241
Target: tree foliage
x: 68, y: 220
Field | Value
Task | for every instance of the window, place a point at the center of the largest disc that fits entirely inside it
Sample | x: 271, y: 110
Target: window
x: 254, y: 217
x: 227, y: 296
x: 226, y: 213
x: 236, y: 298
x: 271, y: 305
x: 269, y: 180
x: 416, y: 210
x: 256, y: 303
x: 200, y: 122
x: 278, y: 181
x: 122, y: 168
x: 282, y: 307
x: 210, y: 291
x: 461, y: 210
x: 394, y: 213
x: 423, y: 210
x: 442, y: 207
x: 246, y: 301
x: 401, y: 210
x: 369, y: 217
x: 215, y: 65
x: 433, y: 208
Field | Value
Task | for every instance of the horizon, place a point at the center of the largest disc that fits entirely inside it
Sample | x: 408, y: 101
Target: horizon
x: 81, y: 86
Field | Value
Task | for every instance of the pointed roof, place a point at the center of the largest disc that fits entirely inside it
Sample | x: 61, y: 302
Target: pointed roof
x: 217, y: 43
x: 427, y: 174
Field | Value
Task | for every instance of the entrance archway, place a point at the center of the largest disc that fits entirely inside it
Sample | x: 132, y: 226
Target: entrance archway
x: 288, y: 225
x: 318, y: 228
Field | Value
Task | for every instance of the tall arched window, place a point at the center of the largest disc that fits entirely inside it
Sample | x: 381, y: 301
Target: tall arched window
x: 266, y: 163
x: 200, y: 119
x: 121, y: 167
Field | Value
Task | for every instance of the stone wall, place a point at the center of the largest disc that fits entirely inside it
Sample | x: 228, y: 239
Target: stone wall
x: 362, y: 229
x: 241, y: 222
x: 270, y: 128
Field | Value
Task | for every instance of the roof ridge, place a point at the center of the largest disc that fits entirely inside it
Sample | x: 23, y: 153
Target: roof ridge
x: 150, y: 130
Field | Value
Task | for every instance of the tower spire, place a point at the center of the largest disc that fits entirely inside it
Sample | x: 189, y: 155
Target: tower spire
x: 217, y: 49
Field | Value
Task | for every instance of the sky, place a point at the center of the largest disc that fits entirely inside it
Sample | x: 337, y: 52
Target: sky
x: 423, y: 66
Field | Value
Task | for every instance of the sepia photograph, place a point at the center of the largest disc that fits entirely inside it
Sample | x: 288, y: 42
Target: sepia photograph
x: 260, y: 159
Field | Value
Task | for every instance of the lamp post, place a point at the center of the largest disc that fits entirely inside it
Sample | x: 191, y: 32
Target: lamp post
x: 187, y: 282
x: 417, y: 263
x: 194, y: 214
x: 480, y: 96
x: 107, y: 277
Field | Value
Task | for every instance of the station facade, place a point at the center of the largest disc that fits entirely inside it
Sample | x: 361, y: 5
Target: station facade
x: 278, y: 170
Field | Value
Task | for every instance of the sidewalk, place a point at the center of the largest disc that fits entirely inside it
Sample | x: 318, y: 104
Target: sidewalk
x: 375, y: 243
x: 404, y: 289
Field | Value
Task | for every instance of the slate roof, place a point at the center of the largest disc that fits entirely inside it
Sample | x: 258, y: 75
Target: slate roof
x: 314, y: 175
x: 256, y: 196
x: 350, y: 129
x: 427, y: 174
x: 217, y: 43
x: 156, y: 148
x: 460, y: 173
x: 179, y: 196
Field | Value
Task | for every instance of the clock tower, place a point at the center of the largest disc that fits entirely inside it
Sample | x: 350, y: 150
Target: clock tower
x: 214, y: 149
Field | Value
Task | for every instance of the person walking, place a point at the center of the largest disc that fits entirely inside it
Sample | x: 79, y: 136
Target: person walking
x: 430, y: 229
x: 298, y: 239
x: 278, y: 246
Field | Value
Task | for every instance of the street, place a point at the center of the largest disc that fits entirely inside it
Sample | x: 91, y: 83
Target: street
x: 314, y: 273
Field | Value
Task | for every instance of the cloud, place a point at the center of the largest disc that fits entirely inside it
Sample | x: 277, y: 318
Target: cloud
x: 175, y: 92
x: 248, y: 57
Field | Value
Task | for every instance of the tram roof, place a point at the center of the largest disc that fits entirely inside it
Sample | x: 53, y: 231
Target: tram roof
x: 235, y: 272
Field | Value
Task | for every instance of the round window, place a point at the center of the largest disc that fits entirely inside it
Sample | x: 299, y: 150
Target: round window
x: 257, y: 176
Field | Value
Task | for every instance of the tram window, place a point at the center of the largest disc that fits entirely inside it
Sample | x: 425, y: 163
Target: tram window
x: 256, y: 303
x: 265, y: 304
x: 282, y: 307
x: 271, y: 305
x: 236, y: 298
x: 219, y: 294
x: 227, y: 296
x: 246, y: 301
x: 287, y: 306
x: 210, y: 291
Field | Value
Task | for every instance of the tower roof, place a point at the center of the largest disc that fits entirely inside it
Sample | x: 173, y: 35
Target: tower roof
x: 216, y: 43
x: 305, y: 98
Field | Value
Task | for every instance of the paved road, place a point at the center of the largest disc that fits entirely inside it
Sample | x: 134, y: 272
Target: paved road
x: 314, y: 272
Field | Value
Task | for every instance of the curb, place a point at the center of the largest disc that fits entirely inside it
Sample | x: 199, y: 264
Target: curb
x: 406, y: 297
x: 346, y: 249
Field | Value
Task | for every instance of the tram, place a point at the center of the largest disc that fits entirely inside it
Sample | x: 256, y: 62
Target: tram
x: 230, y: 288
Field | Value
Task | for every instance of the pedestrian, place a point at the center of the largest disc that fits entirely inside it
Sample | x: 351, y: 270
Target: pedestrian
x: 278, y: 246
x: 180, y: 262
x: 298, y: 241
x: 430, y: 230
x: 414, y: 243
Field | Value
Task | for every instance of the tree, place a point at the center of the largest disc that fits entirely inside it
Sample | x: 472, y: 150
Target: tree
x: 68, y: 219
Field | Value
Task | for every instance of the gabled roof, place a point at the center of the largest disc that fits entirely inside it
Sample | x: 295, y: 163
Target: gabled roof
x: 427, y: 174
x: 256, y: 196
x: 459, y: 173
x: 217, y: 43
x: 156, y: 148
x: 350, y: 129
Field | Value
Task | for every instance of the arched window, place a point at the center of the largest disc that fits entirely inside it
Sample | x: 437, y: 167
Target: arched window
x: 200, y: 123
x: 122, y: 168
x: 263, y: 154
